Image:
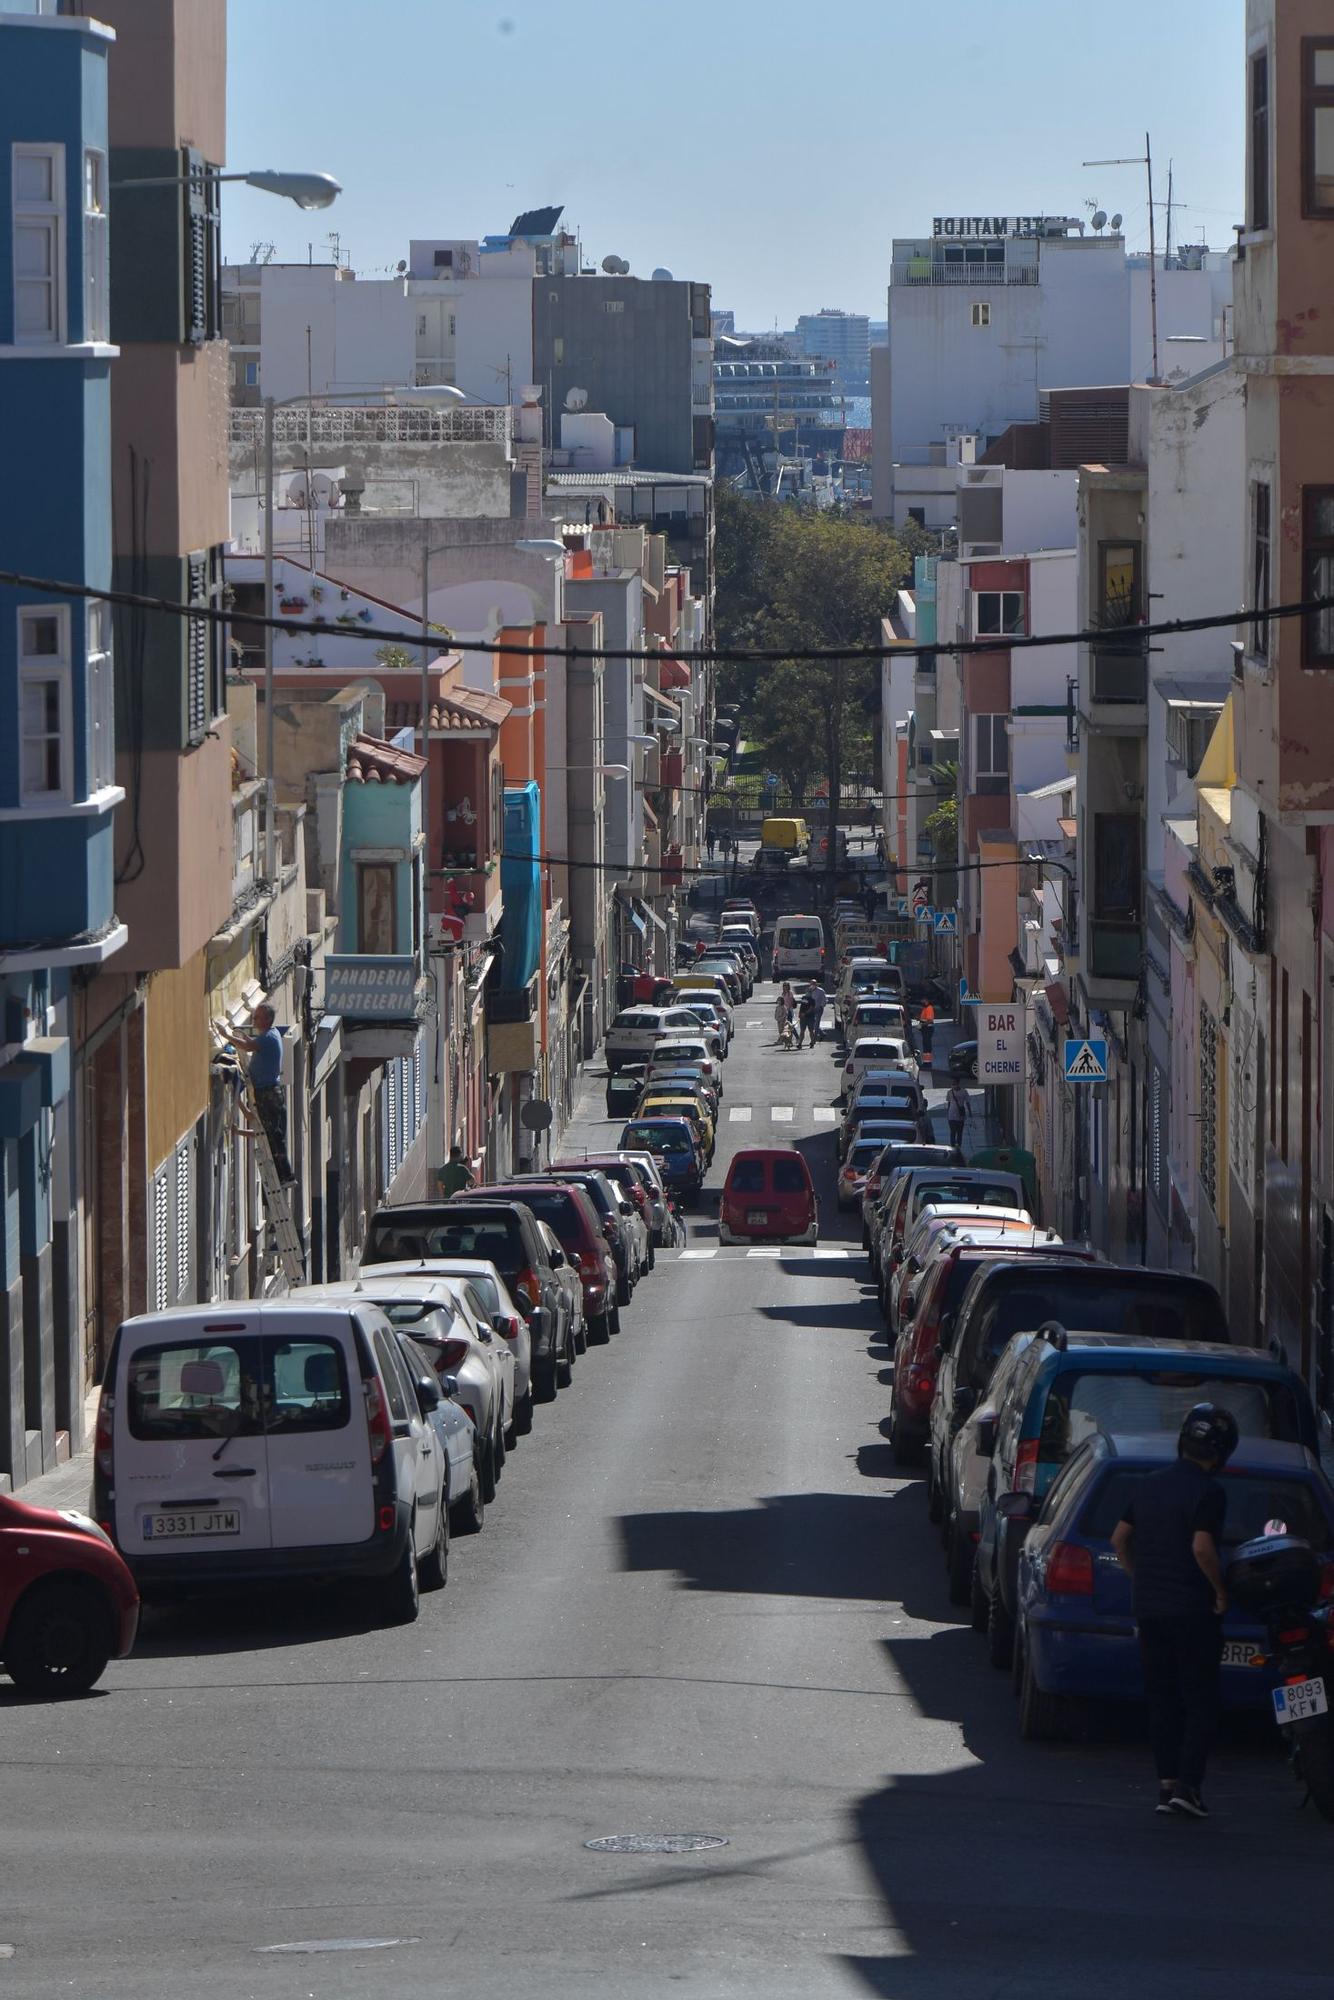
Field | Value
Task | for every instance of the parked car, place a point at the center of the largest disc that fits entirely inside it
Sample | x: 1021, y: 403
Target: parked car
x: 646, y: 1167
x: 712, y: 1018
x: 674, y: 1145
x: 893, y: 1110
x: 569, y: 1212
x: 707, y: 992
x: 859, y: 979
x: 740, y: 909
x: 664, y: 1101
x: 920, y: 1185
x: 624, y: 1223
x: 1069, y: 1385
x: 1009, y: 1296
x: 691, y: 1078
x: 635, y: 1031
x: 696, y: 1051
x: 894, y: 1160
x: 276, y: 1439
x: 496, y: 1309
x: 946, y: 1222
x: 68, y: 1602
x: 465, y: 1504
x: 876, y: 1017
x: 768, y: 1196
x: 445, y: 1315
x: 1075, y: 1631
x: 739, y: 937
x: 876, y: 1052
x: 963, y: 1062
x: 473, y: 1225
x: 631, y: 1185
x: 567, y: 1276
x: 725, y: 967
x: 636, y: 1175
x: 857, y: 1163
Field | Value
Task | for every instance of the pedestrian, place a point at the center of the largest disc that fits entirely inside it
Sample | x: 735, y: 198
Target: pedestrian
x: 711, y: 840
x: 806, y: 1019
x: 868, y: 902
x: 958, y: 1113
x: 265, y: 1048
x: 783, y: 1013
x: 455, y: 1175
x: 1167, y: 1542
x: 926, y: 1126
x: 926, y: 1023
x: 818, y: 997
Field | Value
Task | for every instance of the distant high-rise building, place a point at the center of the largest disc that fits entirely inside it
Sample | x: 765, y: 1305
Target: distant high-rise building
x: 841, y: 337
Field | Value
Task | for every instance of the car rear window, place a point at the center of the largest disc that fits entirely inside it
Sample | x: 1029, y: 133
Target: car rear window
x: 861, y: 1154
x: 246, y: 1386
x: 789, y: 1177
x: 654, y: 1140
x: 1253, y: 1499
x: 1081, y: 1402
x: 1096, y: 1303
x: 800, y: 937
x: 494, y: 1238
x: 988, y: 1194
x: 747, y: 1176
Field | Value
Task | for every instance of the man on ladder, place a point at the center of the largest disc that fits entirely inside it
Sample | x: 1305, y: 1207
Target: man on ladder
x: 265, y: 1049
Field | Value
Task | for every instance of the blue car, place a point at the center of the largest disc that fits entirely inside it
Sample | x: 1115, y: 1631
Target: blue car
x: 1068, y: 1385
x: 1075, y: 1635
x: 672, y: 1144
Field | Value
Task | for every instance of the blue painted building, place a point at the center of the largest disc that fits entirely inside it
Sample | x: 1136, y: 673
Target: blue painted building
x: 57, y: 754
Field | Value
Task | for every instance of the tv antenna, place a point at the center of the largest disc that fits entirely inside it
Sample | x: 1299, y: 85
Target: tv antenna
x: 1145, y: 160
x: 261, y: 253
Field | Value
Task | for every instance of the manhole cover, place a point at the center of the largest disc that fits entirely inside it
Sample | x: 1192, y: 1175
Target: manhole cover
x: 655, y: 1843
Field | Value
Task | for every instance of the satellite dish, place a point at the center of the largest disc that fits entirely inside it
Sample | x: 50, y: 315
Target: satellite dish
x: 611, y: 265
x: 576, y: 399
x: 1099, y: 218
x: 662, y: 275
x: 401, y: 266
x: 1116, y: 221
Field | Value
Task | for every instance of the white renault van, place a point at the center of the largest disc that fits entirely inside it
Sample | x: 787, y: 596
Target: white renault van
x: 257, y: 1441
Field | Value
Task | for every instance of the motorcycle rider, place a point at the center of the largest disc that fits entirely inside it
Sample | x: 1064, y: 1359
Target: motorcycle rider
x: 1167, y: 1542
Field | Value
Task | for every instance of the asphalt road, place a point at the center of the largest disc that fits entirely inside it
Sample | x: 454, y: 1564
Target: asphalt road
x: 703, y: 1604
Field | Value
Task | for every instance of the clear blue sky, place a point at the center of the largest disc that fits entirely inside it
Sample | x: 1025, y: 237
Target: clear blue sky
x: 771, y: 149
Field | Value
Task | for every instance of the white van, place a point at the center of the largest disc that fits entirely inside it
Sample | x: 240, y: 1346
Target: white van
x: 276, y: 1440
x: 798, y: 946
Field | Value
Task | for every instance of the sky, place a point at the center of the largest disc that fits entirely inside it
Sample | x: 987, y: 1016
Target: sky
x: 771, y: 149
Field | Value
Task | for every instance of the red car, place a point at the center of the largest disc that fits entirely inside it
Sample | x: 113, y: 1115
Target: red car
x: 68, y: 1602
x: 768, y: 1197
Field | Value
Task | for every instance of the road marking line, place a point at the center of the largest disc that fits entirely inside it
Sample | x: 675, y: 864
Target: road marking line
x: 821, y: 1251
x: 739, y: 1114
x: 825, y: 1114
x: 699, y: 1253
x: 780, y: 1113
x: 764, y: 1253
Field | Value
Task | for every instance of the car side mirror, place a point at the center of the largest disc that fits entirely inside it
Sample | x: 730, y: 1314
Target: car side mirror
x: 428, y: 1394
x: 449, y: 1385
x: 1016, y: 1506
x: 986, y: 1437
x: 500, y: 1323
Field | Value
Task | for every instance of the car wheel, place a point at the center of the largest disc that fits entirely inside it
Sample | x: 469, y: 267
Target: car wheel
x: 523, y: 1412
x: 502, y: 1451
x: 652, y: 1254
x: 434, y: 1573
x: 565, y: 1366
x: 1000, y: 1632
x: 470, y: 1512
x: 488, y: 1469
x: 614, y: 1321
x: 907, y: 1451
x: 977, y: 1599
x: 546, y: 1381
x: 959, y: 1563
x: 581, y: 1336
x: 1041, y: 1716
x: 59, y: 1640
x: 623, y: 1291
x: 599, y: 1329
x: 402, y: 1591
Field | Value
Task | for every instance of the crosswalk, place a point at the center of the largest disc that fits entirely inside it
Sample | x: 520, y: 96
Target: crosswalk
x: 779, y: 1114
x: 804, y: 1251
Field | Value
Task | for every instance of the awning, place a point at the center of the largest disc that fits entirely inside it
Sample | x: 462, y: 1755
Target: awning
x: 651, y: 694
x: 675, y: 673
x: 651, y: 914
x: 650, y: 815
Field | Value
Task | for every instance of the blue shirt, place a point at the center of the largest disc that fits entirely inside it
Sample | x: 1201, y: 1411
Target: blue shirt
x: 266, y: 1060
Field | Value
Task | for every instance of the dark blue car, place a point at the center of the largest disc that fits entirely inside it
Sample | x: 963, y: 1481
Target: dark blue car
x: 1075, y: 1635
x: 672, y: 1144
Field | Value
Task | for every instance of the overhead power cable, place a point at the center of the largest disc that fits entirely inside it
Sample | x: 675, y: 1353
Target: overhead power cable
x: 710, y: 655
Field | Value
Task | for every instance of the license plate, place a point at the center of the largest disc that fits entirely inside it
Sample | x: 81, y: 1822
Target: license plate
x: 199, y: 1522
x: 1237, y: 1653
x: 1300, y: 1700
x: 757, y: 1217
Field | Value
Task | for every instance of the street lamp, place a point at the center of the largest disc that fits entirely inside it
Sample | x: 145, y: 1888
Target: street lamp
x: 306, y: 190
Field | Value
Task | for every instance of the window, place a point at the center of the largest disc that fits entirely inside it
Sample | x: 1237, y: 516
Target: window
x: 95, y: 320
x: 44, y: 764
x: 252, y: 374
x: 375, y: 907
x: 101, y: 699
x: 1259, y: 115
x: 1318, y: 572
x: 421, y: 326
x: 39, y: 207
x: 558, y: 349
x: 992, y: 741
x: 1116, y: 865
x: 203, y: 274
x: 917, y: 514
x: 982, y: 313
x: 1318, y: 125
x: 998, y: 612
x: 183, y: 1214
x: 1260, y: 566
x: 451, y: 326
x: 1118, y: 595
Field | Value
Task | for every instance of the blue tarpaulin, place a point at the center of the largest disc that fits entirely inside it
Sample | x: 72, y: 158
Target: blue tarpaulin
x: 521, y: 885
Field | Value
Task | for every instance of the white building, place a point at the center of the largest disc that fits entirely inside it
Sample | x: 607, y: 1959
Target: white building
x: 988, y: 312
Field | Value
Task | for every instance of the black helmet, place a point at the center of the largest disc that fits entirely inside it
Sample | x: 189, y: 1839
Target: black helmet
x: 1208, y: 1432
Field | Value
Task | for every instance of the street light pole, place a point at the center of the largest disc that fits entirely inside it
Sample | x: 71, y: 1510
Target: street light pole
x: 270, y: 779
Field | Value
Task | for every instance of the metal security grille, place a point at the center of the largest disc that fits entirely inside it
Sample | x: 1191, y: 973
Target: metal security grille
x: 1157, y: 1149
x: 197, y: 647
x: 161, y: 1269
x: 1209, y: 1107
x: 202, y: 271
x: 183, y: 1209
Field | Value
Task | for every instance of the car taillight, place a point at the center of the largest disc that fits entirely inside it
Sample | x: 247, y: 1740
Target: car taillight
x: 1026, y: 1467
x: 921, y: 1379
x: 873, y: 1184
x: 1295, y: 1638
x: 589, y: 1262
x: 611, y: 1228
x: 513, y: 1326
x: 106, y: 1410
x: 377, y: 1421
x: 1070, y: 1570
x: 451, y: 1355
x: 527, y: 1286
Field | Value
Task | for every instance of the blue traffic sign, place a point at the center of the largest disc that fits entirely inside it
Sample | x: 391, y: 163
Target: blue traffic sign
x: 947, y: 923
x: 1085, y: 1061
x: 967, y: 999
x: 900, y: 906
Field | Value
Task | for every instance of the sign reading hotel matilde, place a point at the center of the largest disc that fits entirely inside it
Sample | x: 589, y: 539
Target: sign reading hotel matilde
x: 996, y: 227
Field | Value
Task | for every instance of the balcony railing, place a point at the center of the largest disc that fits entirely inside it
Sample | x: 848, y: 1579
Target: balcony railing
x: 1116, y: 947
x: 920, y: 271
x: 331, y: 426
x: 1119, y: 667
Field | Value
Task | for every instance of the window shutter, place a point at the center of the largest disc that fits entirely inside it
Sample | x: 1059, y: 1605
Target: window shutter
x: 161, y: 1292
x: 197, y: 645
x: 183, y: 1213
x: 202, y: 313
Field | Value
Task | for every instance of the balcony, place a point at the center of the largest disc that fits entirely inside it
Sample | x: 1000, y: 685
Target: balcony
x: 924, y: 271
x: 1115, y: 948
x: 474, y: 895
x: 1119, y: 669
x: 670, y: 770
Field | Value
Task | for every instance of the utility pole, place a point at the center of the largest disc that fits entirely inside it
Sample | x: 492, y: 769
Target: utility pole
x: 1145, y: 160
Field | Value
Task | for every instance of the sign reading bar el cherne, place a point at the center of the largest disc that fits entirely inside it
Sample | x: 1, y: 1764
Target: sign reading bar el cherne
x: 1000, y: 1043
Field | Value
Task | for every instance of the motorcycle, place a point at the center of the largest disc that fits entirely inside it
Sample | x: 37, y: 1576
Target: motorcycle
x: 1277, y: 1578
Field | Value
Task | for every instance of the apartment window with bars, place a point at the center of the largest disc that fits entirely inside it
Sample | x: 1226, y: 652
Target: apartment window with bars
x: 38, y: 216
x: 1260, y: 570
x: 1157, y: 1135
x: 1259, y: 121
x: 197, y: 646
x: 1208, y: 1046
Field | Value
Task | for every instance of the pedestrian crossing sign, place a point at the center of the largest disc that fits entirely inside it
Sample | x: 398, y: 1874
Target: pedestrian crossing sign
x: 947, y: 924
x: 1085, y: 1061
x: 900, y: 906
x: 967, y: 999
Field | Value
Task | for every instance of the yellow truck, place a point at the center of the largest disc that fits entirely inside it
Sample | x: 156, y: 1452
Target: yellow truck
x: 786, y: 836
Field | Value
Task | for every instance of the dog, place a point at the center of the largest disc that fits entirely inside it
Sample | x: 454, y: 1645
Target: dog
x: 786, y: 1038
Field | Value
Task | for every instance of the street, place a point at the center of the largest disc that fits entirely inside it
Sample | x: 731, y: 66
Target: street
x: 703, y: 1604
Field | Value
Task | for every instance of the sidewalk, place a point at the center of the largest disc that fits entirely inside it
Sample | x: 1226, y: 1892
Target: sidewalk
x: 70, y: 1484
